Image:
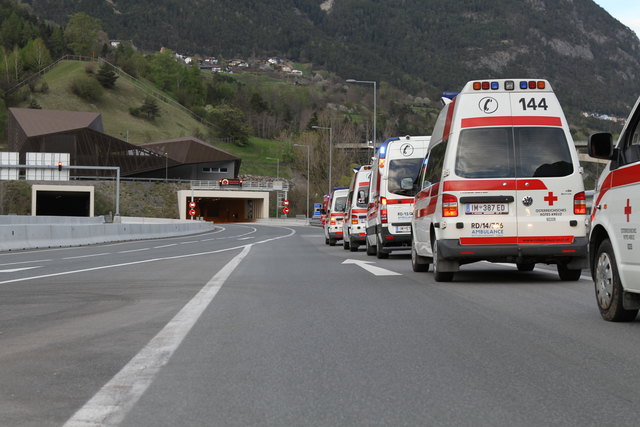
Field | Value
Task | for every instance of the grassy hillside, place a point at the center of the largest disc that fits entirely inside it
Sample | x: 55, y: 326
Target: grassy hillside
x: 173, y: 122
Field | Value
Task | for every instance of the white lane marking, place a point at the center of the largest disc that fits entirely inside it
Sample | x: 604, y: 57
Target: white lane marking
x: 188, y: 243
x: 144, y: 261
x: 376, y: 271
x: 134, y: 250
x: 87, y: 256
x: 26, y: 262
x: 13, y: 270
x: 541, y: 270
x: 246, y: 238
x: 165, y: 246
x: 116, y: 398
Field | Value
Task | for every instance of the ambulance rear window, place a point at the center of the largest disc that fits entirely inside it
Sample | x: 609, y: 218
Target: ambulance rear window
x: 400, y: 169
x: 340, y: 204
x: 522, y: 152
x: 485, y: 153
x: 542, y: 152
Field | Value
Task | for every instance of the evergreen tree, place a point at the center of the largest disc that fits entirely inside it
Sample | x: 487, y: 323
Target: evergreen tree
x: 106, y: 76
x: 150, y: 108
x: 81, y: 33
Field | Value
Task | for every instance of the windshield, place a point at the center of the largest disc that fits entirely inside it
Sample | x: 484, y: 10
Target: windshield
x: 339, y: 204
x: 513, y: 152
x: 400, y: 169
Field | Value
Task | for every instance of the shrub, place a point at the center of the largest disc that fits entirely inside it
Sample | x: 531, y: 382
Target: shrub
x: 87, y: 88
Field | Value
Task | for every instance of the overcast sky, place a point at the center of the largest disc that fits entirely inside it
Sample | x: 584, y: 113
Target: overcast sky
x: 625, y: 11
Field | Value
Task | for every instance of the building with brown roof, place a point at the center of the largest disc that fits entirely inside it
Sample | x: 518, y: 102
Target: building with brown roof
x: 81, y: 134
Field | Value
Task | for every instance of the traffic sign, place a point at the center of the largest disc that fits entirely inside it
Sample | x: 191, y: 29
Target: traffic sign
x: 192, y: 212
x: 285, y: 210
x: 285, y: 203
x: 192, y: 205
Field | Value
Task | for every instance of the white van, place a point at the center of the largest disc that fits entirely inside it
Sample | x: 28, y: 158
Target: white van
x: 501, y: 182
x: 614, y: 243
x: 335, y: 216
x: 393, y: 173
x: 354, y: 227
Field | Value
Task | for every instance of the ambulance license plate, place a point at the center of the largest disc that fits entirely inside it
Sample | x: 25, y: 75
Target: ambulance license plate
x: 486, y: 208
x: 403, y: 229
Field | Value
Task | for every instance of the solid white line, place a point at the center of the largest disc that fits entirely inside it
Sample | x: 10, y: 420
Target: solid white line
x: 87, y: 256
x: 246, y: 238
x: 188, y: 243
x: 116, y: 398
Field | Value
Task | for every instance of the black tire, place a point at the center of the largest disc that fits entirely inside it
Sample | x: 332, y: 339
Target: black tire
x: 609, y: 291
x: 525, y: 266
x: 353, y: 247
x: 371, y: 250
x: 418, y: 263
x: 332, y: 242
x: 380, y: 252
x: 326, y: 240
x: 568, y: 274
x: 439, y: 276
x: 345, y: 244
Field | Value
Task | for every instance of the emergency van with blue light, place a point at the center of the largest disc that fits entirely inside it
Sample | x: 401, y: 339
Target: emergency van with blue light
x: 614, y: 240
x: 394, y: 170
x: 354, y: 227
x: 501, y: 182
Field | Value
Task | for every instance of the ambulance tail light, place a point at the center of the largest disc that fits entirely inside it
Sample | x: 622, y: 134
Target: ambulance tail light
x: 580, y: 203
x: 354, y: 219
x: 384, y: 216
x: 449, y: 205
x: 332, y: 222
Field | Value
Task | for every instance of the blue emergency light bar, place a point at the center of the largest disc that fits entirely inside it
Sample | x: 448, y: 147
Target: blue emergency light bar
x: 450, y: 94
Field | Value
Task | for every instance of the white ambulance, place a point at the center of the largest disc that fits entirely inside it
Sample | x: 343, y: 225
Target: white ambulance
x: 501, y: 182
x: 335, y: 216
x: 354, y: 227
x: 393, y: 174
x: 614, y: 243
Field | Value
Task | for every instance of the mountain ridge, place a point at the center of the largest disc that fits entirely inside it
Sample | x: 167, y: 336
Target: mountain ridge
x: 420, y: 46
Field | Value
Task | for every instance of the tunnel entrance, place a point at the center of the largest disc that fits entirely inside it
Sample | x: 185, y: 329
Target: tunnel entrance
x: 225, y: 206
x: 62, y: 200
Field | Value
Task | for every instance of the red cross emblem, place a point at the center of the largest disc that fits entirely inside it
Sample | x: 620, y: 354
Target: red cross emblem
x: 627, y: 210
x: 550, y: 198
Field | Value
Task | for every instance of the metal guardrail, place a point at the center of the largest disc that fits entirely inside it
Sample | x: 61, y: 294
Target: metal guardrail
x: 246, y: 186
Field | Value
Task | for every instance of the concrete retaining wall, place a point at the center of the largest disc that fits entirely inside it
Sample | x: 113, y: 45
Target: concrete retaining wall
x: 22, y: 232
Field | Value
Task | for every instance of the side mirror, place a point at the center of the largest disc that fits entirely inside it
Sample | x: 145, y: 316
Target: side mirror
x: 406, y: 184
x: 600, y: 146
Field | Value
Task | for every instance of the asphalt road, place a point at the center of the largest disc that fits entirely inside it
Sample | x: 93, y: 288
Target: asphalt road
x: 262, y: 325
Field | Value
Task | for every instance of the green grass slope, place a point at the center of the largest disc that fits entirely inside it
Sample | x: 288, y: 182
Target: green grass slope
x: 114, y: 107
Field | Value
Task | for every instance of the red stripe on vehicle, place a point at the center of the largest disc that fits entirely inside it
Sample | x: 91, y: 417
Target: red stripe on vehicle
x: 511, y: 121
x: 494, y: 185
x: 448, y: 120
x: 527, y: 240
x: 358, y: 211
x: 363, y: 184
x: 399, y: 201
x: 337, y: 214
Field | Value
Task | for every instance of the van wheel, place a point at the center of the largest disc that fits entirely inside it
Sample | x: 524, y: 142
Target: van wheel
x: 418, y: 263
x: 380, y: 252
x: 439, y: 276
x: 326, y: 240
x: 332, y: 242
x: 353, y: 247
x: 345, y: 244
x: 608, y: 288
x: 525, y: 266
x: 568, y: 274
x: 371, y: 250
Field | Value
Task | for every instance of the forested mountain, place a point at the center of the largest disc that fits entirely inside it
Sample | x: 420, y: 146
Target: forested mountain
x: 421, y: 46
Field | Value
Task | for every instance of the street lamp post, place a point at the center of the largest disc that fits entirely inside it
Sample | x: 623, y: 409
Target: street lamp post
x: 375, y: 102
x: 330, y: 151
x: 166, y: 166
x: 308, y: 168
x: 277, y: 165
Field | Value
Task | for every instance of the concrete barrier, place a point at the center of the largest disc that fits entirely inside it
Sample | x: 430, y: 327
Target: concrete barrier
x: 31, y: 232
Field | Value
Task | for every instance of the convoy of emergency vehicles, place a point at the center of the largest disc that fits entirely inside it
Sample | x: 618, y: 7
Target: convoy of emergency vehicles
x: 499, y: 180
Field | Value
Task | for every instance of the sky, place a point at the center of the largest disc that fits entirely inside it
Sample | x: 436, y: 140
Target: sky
x: 625, y: 11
